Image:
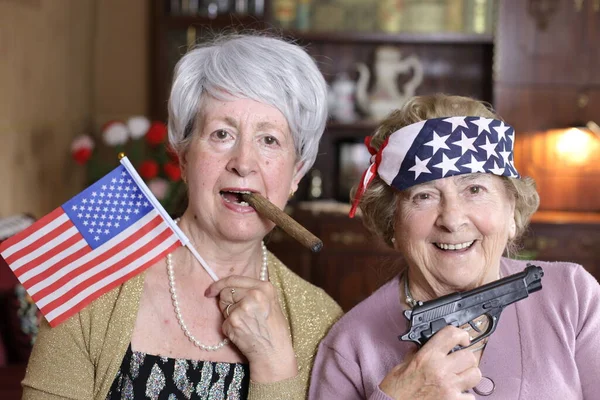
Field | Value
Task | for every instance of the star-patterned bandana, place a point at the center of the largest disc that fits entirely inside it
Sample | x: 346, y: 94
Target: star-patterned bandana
x: 438, y: 148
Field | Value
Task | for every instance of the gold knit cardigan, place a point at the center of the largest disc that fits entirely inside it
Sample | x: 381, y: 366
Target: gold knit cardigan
x: 79, y: 359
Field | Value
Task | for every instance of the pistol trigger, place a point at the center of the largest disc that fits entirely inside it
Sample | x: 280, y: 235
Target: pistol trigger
x: 474, y: 326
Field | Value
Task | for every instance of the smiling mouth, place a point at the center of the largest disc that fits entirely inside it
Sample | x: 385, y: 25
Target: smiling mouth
x: 234, y: 197
x: 454, y: 247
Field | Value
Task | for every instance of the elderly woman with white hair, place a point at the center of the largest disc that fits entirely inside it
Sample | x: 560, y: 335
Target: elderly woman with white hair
x: 246, y: 113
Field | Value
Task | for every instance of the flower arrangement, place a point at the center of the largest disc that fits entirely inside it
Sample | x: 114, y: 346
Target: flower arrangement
x: 145, y: 144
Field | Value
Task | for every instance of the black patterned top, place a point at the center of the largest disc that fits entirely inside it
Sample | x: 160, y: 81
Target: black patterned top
x: 144, y: 376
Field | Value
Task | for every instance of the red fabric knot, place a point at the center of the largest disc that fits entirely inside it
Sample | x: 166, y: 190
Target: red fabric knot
x: 367, y: 176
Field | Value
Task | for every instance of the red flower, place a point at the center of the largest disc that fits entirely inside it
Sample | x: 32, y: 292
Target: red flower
x: 156, y: 134
x: 172, y: 171
x: 82, y: 155
x: 149, y: 169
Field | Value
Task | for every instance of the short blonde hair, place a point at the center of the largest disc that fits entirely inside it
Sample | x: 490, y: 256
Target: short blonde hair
x: 378, y: 203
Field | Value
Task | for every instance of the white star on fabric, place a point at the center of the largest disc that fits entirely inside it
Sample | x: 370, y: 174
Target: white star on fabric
x: 420, y: 167
x: 456, y: 122
x: 466, y: 144
x: 447, y: 165
x: 501, y: 130
x: 489, y: 147
x: 483, y: 124
x: 513, y: 169
x: 438, y: 143
x: 496, y: 170
x: 505, y: 154
x: 474, y: 165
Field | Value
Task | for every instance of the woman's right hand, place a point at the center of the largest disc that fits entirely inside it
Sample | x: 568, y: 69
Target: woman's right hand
x: 433, y: 373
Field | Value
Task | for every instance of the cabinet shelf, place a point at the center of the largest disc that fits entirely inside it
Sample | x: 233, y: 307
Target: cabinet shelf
x: 185, y: 21
x: 393, y: 38
x: 364, y: 127
x: 459, y: 63
x: 254, y: 22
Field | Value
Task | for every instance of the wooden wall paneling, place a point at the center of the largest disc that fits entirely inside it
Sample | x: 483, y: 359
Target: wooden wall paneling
x: 121, y: 60
x: 593, y: 37
x: 533, y: 108
x: 592, y: 110
x: 529, y: 54
x: 565, y: 182
x: 45, y: 76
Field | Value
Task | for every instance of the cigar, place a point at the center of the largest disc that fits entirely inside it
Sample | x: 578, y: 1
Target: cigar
x: 269, y: 210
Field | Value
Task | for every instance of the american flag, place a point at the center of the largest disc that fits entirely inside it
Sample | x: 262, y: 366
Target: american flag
x: 440, y: 147
x: 100, y: 238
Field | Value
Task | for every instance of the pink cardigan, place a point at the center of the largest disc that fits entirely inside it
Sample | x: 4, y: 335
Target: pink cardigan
x: 546, y: 346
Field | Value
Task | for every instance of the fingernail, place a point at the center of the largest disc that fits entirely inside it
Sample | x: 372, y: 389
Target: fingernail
x: 207, y: 292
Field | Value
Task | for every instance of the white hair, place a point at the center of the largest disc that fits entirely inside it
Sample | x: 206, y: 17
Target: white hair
x: 261, y: 68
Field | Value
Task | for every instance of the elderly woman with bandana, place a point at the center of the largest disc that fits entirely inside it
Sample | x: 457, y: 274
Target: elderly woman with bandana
x: 443, y: 190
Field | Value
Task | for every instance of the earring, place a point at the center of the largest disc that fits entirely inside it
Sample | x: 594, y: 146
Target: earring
x: 292, y: 192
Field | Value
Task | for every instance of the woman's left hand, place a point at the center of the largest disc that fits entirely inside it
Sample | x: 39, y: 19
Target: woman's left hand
x: 255, y: 323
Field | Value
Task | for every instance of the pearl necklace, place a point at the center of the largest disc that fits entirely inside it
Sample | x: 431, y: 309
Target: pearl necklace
x: 409, y: 299
x: 201, y: 346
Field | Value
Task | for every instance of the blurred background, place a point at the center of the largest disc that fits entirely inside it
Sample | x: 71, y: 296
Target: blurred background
x: 81, y: 80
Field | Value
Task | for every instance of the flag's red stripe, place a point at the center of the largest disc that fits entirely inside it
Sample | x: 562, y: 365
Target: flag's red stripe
x: 40, y: 242
x: 108, y: 271
x: 55, y: 267
x: 45, y: 220
x: 156, y: 221
x: 93, y: 296
x: 48, y: 254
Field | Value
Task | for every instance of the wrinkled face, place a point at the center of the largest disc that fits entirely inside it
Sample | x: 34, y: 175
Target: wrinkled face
x: 239, y: 146
x: 454, y: 230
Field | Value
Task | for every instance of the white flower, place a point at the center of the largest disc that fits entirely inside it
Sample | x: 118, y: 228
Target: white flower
x: 158, y: 187
x: 82, y: 142
x: 138, y: 126
x: 115, y: 133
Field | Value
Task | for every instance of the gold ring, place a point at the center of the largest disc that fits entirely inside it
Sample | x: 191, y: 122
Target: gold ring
x: 227, y: 309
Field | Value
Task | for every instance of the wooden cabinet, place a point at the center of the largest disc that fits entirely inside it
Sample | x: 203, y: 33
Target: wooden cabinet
x: 353, y: 264
x: 546, y: 64
x: 453, y: 62
x: 532, y: 52
x: 564, y: 236
x: 593, y: 37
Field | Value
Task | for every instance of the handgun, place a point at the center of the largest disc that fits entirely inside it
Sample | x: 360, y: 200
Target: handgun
x: 461, y: 308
